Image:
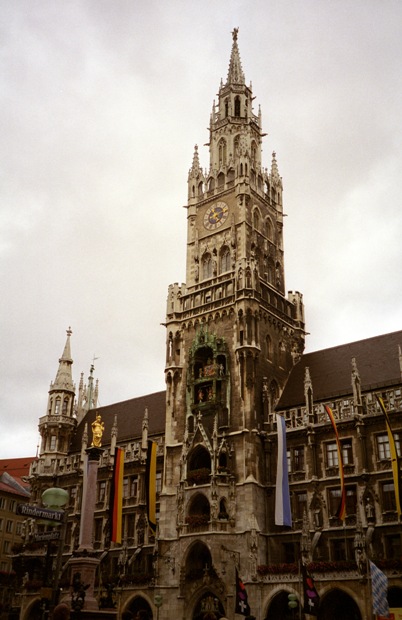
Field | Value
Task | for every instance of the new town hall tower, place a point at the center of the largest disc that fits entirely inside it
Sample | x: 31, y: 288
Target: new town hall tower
x: 232, y: 339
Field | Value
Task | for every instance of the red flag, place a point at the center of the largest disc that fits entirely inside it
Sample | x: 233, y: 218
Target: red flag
x: 116, y: 497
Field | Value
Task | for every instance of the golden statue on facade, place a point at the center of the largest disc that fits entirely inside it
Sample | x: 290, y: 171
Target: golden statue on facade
x: 97, y: 431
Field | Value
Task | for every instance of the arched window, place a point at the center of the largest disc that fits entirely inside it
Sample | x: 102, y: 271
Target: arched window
x: 206, y: 266
x: 269, y: 348
x: 236, y: 145
x: 237, y: 106
x: 65, y: 406
x: 221, y: 179
x: 256, y: 220
x: 57, y: 406
x: 225, y: 259
x: 226, y: 108
x: 269, y: 230
x: 253, y: 154
x: 222, y: 152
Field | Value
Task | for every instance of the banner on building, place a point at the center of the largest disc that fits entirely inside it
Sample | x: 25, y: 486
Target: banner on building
x: 150, y: 485
x: 242, y: 606
x: 116, y: 497
x: 395, y: 464
x: 283, y: 514
x: 311, y: 598
x: 379, y: 591
x: 341, y: 512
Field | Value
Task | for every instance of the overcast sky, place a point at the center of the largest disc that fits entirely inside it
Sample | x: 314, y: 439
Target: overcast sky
x: 102, y: 102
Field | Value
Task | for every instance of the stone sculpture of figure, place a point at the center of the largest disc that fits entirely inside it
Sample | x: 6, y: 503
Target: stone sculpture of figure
x: 369, y: 510
x: 97, y: 431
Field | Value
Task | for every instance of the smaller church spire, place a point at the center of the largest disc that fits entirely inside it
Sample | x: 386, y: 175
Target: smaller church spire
x: 274, y: 168
x: 195, y: 168
x: 235, y: 73
x: 64, y: 379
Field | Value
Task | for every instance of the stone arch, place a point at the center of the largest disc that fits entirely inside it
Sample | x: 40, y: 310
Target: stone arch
x: 208, y: 605
x: 207, y: 265
x: 256, y: 219
x: 222, y: 149
x: 224, y: 259
x: 278, y: 606
x: 198, y: 458
x: 198, y: 513
x: 140, y: 603
x: 254, y: 153
x: 338, y: 603
x: 33, y: 610
x: 269, y: 228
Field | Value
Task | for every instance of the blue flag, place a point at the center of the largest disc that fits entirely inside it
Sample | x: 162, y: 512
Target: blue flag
x: 379, y: 589
x: 283, y: 514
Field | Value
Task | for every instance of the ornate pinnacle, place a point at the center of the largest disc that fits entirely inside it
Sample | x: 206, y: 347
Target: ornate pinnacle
x: 235, y: 74
x: 275, y: 176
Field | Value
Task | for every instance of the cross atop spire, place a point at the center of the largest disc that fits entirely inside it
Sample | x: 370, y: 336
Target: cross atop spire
x: 235, y: 73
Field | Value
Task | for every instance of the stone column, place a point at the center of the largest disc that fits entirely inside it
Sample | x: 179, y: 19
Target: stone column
x: 84, y: 561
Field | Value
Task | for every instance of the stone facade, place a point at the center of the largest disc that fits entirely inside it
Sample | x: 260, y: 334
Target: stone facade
x: 234, y: 358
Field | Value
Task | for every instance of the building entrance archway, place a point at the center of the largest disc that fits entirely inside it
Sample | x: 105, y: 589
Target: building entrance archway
x: 208, y: 607
x: 338, y: 604
x: 279, y: 608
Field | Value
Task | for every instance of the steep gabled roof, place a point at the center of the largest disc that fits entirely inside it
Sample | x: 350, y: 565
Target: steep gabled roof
x: 377, y: 362
x: 130, y: 414
x: 16, y: 467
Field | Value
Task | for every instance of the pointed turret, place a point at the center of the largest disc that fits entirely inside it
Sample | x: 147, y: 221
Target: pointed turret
x: 64, y: 379
x: 57, y: 426
x: 235, y: 73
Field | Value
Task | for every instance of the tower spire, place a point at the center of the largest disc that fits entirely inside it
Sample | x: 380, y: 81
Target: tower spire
x: 64, y: 379
x: 235, y: 73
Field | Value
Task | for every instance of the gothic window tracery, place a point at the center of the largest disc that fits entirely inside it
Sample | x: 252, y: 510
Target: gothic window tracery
x: 269, y: 347
x: 253, y: 154
x: 225, y: 259
x: 236, y: 145
x: 222, y: 152
x: 256, y: 220
x: 237, y: 106
x: 269, y: 229
x: 206, y: 266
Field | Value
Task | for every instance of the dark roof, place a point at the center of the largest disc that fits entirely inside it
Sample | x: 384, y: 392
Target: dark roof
x: 130, y: 414
x: 377, y: 361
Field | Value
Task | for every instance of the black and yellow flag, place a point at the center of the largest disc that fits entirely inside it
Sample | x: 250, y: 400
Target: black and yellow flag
x: 150, y: 486
x: 396, y: 472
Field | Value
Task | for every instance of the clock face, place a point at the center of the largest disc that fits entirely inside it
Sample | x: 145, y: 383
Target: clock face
x: 216, y: 215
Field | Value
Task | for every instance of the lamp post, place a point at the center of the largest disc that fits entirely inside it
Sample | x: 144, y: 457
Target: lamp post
x: 158, y: 601
x: 56, y: 498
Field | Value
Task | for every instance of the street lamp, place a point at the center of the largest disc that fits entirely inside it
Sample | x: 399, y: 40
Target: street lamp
x: 158, y: 601
x: 56, y: 498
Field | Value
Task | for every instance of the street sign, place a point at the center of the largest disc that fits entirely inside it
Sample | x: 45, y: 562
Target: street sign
x: 35, y: 512
x: 45, y: 536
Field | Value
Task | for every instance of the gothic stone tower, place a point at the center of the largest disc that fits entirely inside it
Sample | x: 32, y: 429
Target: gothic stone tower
x: 232, y: 338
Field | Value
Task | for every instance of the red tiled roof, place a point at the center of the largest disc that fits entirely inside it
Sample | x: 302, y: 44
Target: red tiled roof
x: 377, y: 361
x: 16, y: 467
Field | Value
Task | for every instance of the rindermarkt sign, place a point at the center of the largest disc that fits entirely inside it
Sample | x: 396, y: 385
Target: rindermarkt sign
x: 27, y: 510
